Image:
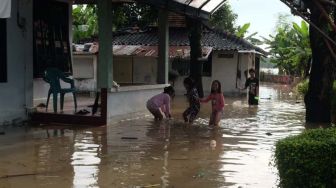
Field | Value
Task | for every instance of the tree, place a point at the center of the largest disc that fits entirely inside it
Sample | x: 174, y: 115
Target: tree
x: 124, y: 15
x: 242, y: 31
x: 85, y: 22
x: 318, y: 98
x: 321, y: 16
x: 196, y: 66
x: 290, y: 47
x: 224, y: 19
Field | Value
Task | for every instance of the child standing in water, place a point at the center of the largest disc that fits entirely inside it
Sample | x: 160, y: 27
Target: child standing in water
x: 191, y: 112
x: 161, y: 103
x: 217, y: 102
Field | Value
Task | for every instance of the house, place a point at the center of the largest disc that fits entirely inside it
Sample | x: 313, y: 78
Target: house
x: 34, y: 32
x: 225, y: 57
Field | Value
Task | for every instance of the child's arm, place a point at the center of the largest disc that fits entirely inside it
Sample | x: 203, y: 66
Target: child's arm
x: 167, y: 107
x: 206, y: 99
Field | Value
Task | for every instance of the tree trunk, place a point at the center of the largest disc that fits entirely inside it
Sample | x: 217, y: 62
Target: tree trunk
x: 318, y: 98
x: 196, y: 67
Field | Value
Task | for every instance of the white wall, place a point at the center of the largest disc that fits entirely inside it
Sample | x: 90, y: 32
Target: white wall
x: 17, y: 93
x: 225, y: 70
x: 180, y: 90
x: 145, y: 70
x: 130, y: 99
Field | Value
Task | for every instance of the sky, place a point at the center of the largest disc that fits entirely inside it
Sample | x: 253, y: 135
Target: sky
x: 262, y: 14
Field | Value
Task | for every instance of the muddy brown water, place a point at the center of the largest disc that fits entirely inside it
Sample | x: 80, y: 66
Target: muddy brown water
x: 138, y: 152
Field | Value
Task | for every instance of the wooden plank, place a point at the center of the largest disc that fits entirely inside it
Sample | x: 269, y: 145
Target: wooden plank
x: 67, y: 119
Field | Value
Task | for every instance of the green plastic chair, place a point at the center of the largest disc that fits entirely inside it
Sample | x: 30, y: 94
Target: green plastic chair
x: 53, y: 77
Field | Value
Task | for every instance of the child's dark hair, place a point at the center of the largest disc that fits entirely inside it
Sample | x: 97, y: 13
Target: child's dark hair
x: 189, y: 82
x: 251, y: 70
x: 169, y: 90
x: 219, y: 87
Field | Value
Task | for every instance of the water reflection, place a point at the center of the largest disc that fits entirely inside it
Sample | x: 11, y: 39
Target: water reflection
x: 85, y: 160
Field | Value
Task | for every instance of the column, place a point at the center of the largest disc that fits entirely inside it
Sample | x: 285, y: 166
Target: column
x: 163, y: 59
x: 105, y: 68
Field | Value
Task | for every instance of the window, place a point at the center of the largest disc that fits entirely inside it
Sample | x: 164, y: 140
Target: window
x: 3, y: 51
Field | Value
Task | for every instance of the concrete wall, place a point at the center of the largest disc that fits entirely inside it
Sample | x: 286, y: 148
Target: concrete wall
x: 17, y: 94
x: 180, y: 90
x: 122, y: 69
x: 145, y: 70
x: 129, y: 69
x: 225, y: 70
x: 85, y: 72
x: 130, y: 99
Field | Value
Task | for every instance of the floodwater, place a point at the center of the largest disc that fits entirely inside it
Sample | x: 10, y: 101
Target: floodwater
x: 138, y: 152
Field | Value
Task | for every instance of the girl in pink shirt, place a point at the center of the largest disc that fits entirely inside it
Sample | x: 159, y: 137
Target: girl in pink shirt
x: 217, y: 101
x: 160, y: 103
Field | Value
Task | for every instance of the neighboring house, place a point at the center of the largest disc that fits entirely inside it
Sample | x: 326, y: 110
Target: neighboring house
x: 225, y: 57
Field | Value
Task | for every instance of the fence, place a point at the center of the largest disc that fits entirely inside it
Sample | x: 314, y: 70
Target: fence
x: 281, y: 79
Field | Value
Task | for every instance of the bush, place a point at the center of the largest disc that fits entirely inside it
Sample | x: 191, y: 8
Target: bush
x: 307, y: 160
x: 302, y: 87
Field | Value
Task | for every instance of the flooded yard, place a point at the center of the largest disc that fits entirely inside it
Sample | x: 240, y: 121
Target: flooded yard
x: 138, y: 152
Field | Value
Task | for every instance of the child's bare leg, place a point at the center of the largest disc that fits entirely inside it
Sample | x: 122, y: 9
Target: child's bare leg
x: 217, y: 119
x: 212, y: 119
x: 193, y: 115
x: 157, y: 115
x: 185, y: 115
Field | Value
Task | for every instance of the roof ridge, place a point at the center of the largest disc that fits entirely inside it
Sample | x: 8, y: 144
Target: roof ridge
x: 234, y: 37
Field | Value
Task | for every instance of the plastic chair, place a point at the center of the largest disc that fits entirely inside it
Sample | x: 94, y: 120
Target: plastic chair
x: 53, y: 77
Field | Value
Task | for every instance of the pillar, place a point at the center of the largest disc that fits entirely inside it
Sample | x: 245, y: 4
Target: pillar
x: 163, y: 59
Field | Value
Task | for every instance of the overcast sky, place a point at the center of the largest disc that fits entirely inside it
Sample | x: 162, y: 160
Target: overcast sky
x: 262, y: 14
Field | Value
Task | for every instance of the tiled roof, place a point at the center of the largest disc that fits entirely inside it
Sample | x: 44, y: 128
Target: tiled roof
x: 216, y: 39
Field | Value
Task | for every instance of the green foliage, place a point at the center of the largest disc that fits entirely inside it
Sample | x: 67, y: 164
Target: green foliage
x: 302, y: 87
x: 224, y: 19
x: 124, y: 15
x: 242, y: 30
x: 290, y: 47
x: 307, y: 160
x: 85, y: 22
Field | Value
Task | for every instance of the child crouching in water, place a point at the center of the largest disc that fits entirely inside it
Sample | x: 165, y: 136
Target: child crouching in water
x: 217, y: 101
x: 161, y: 103
x: 189, y: 115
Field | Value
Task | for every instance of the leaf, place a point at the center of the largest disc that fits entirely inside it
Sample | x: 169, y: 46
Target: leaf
x: 243, y: 30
